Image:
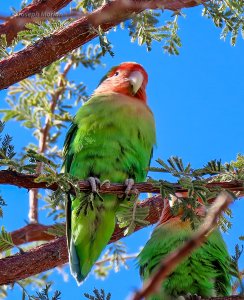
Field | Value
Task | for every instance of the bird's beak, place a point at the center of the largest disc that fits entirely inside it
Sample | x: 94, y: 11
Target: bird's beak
x: 136, y: 79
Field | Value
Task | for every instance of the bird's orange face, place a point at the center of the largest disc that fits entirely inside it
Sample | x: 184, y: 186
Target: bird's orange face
x: 128, y: 78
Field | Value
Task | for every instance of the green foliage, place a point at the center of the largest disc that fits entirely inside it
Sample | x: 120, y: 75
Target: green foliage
x: 6, y: 148
x: 105, y: 44
x: 99, y: 295
x: 143, y: 27
x: 130, y: 215
x: 89, y: 5
x: 57, y: 230
x: 113, y: 259
x: 228, y: 15
x: 3, y: 47
x: 6, y: 241
x: 2, y: 203
x: 36, y: 32
x: 3, y: 291
x: 6, y: 156
x: 194, y: 181
x: 235, y: 268
x: 44, y: 294
x: 238, y: 164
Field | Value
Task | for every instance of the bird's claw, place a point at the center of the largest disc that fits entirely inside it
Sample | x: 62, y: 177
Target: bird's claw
x: 95, y: 184
x: 87, y: 202
x: 105, y: 183
x: 129, y: 183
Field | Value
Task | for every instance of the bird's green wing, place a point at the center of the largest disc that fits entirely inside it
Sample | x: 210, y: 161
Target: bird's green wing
x: 67, y: 150
x: 68, y: 157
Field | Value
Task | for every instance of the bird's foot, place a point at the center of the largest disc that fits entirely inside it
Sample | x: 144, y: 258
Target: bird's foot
x: 87, y: 202
x: 129, y: 183
x: 105, y: 183
x: 95, y: 184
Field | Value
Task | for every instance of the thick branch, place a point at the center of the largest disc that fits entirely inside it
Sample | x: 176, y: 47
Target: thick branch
x: 54, y: 253
x: 28, y: 181
x: 153, y: 284
x: 30, y: 14
x: 35, y: 57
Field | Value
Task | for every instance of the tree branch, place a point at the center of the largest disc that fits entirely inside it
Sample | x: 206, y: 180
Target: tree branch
x: 35, y: 57
x: 28, y: 181
x: 153, y: 284
x: 30, y: 14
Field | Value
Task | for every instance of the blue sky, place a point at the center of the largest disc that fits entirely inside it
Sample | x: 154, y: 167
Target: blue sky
x: 197, y: 99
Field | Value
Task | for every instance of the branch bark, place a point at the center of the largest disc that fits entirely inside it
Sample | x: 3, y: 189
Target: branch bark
x: 30, y: 14
x: 54, y: 253
x: 153, y: 284
x: 28, y: 181
x: 32, y: 233
x: 35, y: 57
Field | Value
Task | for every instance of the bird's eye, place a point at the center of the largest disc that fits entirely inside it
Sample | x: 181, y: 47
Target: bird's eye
x: 116, y: 73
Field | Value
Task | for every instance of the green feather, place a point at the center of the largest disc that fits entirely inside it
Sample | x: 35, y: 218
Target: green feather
x: 206, y: 272
x: 112, y: 137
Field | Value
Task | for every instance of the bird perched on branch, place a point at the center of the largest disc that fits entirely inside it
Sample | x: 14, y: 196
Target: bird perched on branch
x: 111, y: 138
x: 205, y: 273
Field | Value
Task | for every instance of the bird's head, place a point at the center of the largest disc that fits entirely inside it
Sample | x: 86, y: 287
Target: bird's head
x: 129, y: 78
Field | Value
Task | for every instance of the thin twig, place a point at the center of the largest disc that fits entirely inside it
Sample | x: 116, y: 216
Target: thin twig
x: 124, y: 258
x: 33, y: 194
x: 153, y: 284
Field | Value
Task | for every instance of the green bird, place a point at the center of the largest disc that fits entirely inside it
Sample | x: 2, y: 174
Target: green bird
x: 111, y: 138
x: 205, y: 273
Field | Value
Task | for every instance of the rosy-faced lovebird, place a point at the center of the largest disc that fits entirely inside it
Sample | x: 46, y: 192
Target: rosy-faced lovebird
x: 111, y: 138
x: 205, y: 273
